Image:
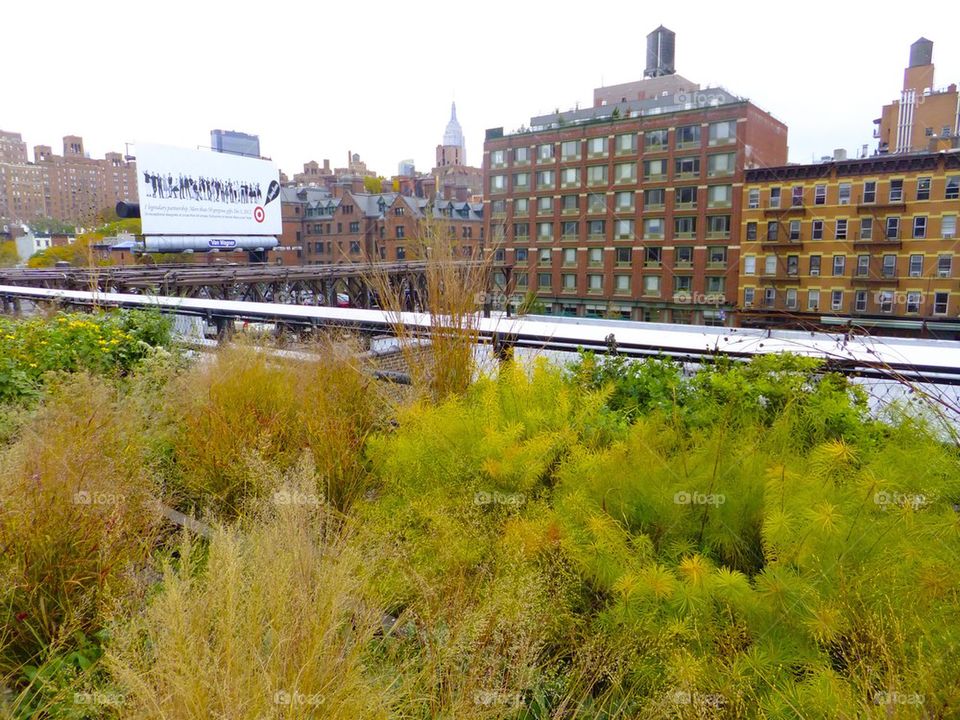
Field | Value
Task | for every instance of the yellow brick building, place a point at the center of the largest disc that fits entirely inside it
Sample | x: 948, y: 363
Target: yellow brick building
x: 870, y: 242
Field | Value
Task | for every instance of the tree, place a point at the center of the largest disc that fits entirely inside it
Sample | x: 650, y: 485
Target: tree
x: 8, y: 254
x: 373, y: 184
x: 51, y: 226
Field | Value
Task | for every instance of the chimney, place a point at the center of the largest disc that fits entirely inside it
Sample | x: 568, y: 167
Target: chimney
x: 326, y: 166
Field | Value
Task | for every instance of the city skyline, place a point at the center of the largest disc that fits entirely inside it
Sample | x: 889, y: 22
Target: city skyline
x: 825, y: 81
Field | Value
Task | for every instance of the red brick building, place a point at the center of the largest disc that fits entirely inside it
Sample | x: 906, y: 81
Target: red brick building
x: 631, y: 208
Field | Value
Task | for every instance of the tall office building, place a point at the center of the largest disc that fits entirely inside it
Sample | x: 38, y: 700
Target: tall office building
x: 235, y: 143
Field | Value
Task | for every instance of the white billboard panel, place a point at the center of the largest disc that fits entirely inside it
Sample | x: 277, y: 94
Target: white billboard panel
x: 199, y: 192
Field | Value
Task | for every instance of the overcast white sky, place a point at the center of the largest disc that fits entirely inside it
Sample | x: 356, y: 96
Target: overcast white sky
x: 317, y: 79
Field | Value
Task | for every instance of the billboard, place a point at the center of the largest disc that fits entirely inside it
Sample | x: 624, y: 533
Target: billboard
x: 201, y: 193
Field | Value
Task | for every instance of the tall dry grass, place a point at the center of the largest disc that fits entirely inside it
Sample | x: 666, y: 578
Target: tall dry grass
x: 453, y: 292
x: 267, y: 621
x: 245, y: 410
x: 77, y: 514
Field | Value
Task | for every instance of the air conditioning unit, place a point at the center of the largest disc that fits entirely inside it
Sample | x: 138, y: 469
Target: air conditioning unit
x: 948, y: 236
x: 814, y: 272
x: 747, y: 304
x: 943, y: 273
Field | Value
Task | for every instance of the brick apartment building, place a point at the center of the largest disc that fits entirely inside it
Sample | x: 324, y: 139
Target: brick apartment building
x: 923, y: 113
x: 72, y: 187
x: 631, y: 208
x: 357, y: 227
x: 872, y: 241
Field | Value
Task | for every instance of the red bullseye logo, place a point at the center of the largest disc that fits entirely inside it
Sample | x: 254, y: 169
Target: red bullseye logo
x: 258, y: 214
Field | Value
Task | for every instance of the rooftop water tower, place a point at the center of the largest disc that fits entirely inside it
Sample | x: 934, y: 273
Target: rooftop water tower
x: 661, y: 45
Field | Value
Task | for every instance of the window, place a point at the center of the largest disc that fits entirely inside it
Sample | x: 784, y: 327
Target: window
x: 719, y: 196
x: 545, y: 256
x: 355, y: 227
x: 654, y: 169
x: 919, y: 227
x: 893, y: 228
x: 682, y: 283
x: 545, y: 180
x: 521, y: 231
x: 769, y: 297
x: 354, y: 247
x: 923, y: 188
x: 570, y: 150
x: 545, y: 206
x: 796, y: 196
x: 817, y: 230
x: 774, y: 197
x: 597, y: 228
x: 913, y: 302
x: 885, y: 301
x: 860, y: 301
x: 820, y: 195
x: 751, y: 231
x: 717, y: 256
x: 688, y: 136
x: 544, y: 280
x: 597, y: 146
x: 398, y: 211
x: 715, y: 284
x: 654, y: 140
x: 401, y: 252
x: 953, y: 188
x: 521, y: 255
x: 570, y: 229
x: 521, y: 181
x: 569, y: 281
x: 748, y: 294
x: 916, y: 265
x: 839, y: 265
x: 863, y: 265
x: 498, y: 207
x: 521, y: 206
x: 595, y: 283
x: 685, y: 197
x: 773, y: 230
x: 653, y: 228
x: 653, y: 198
x: 770, y: 265
x: 544, y: 231
x: 570, y: 177
x: 749, y: 265
x: 570, y: 256
x: 684, y: 255
x: 651, y: 285
x: 841, y: 232
x: 944, y: 265
x: 685, y: 226
x: 844, y: 193
x: 791, y: 299
x: 521, y: 155
x: 896, y: 191
x: 595, y: 256
x: 870, y: 191
x: 597, y: 175
x: 866, y: 228
x: 400, y: 232
x: 622, y: 283
x: 813, y: 299
x: 889, y: 266
x: 623, y: 200
x: 686, y: 166
x: 496, y: 157
x: 948, y: 226
x: 720, y: 164
x: 498, y: 183
x: 625, y: 172
x: 545, y: 152
x: 718, y: 226
x: 836, y: 300
x: 596, y: 203
x: 941, y: 302
x: 753, y: 199
x: 569, y: 204
x: 793, y: 265
x: 523, y: 280
x: 722, y: 132
x: 624, y: 230
x: 794, y: 229
x: 624, y: 256
x: 626, y: 143
x: 652, y: 256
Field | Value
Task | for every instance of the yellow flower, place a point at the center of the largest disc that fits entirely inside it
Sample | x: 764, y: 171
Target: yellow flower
x: 33, y: 364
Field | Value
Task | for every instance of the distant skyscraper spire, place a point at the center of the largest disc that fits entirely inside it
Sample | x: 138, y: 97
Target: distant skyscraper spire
x: 453, y: 136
